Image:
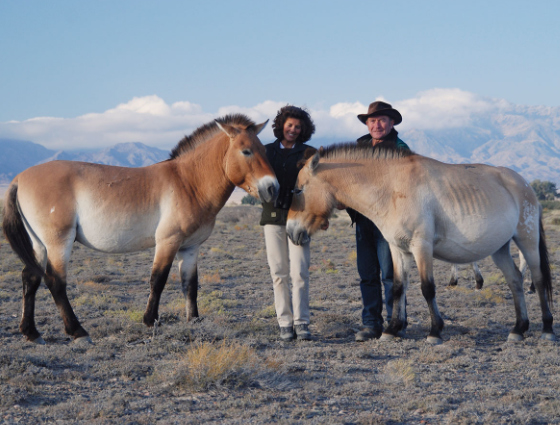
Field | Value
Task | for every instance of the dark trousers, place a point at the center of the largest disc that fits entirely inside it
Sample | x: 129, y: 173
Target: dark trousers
x: 375, y: 265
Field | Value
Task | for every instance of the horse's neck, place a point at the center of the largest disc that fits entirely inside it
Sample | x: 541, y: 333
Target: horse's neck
x: 366, y: 189
x: 202, y: 170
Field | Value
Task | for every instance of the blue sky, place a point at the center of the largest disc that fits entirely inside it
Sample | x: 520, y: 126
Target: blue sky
x: 70, y: 59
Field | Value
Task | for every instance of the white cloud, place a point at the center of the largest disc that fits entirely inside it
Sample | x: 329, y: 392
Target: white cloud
x: 445, y: 108
x: 152, y: 121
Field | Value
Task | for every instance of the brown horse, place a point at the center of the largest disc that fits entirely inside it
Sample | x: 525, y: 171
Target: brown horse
x: 427, y: 209
x: 171, y: 205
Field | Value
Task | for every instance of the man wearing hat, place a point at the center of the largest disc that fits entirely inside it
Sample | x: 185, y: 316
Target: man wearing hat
x: 375, y: 264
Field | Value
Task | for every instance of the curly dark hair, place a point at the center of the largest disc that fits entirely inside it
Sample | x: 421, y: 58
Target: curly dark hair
x: 289, y: 111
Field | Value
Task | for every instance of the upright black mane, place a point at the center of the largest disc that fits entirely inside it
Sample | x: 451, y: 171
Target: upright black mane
x: 352, y: 151
x: 206, y: 131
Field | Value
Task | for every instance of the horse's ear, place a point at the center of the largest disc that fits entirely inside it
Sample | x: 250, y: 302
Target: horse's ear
x: 230, y: 130
x: 314, y: 162
x: 308, y: 153
x: 259, y: 127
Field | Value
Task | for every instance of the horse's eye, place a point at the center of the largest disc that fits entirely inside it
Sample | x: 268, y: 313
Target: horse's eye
x: 297, y: 191
x: 247, y: 152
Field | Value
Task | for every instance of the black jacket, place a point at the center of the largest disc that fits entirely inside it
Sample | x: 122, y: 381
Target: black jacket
x: 284, y: 163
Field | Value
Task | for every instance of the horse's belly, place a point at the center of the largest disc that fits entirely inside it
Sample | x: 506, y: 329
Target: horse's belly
x: 471, y: 245
x: 116, y: 237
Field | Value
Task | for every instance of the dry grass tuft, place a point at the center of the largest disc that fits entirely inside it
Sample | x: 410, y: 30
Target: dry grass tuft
x: 211, y: 278
x: 132, y: 315
x: 267, y: 312
x: 207, y: 365
x: 400, y: 371
x: 214, y: 303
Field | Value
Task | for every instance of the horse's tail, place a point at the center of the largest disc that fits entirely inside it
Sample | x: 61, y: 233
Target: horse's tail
x: 16, y: 233
x: 545, y: 264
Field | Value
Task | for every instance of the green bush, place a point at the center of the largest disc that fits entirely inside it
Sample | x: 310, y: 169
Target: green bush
x: 249, y: 200
x: 551, y: 205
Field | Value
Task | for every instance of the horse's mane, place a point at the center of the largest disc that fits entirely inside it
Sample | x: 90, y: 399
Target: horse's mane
x: 351, y: 151
x: 206, y: 131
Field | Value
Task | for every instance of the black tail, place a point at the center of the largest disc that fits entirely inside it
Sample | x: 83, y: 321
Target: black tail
x: 15, y: 232
x: 545, y: 264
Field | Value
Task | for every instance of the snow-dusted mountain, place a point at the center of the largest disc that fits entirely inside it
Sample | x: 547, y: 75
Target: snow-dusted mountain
x: 525, y: 139
x: 17, y: 155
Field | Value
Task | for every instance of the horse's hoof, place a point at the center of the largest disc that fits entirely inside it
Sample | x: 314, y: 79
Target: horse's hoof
x: 548, y: 337
x: 515, y: 338
x: 83, y: 341
x: 39, y: 340
x: 387, y: 337
x: 434, y: 340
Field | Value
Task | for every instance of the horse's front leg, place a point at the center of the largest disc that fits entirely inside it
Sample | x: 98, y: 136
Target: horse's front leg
x: 188, y: 258
x: 402, y: 262
x: 160, y: 271
x: 425, y: 263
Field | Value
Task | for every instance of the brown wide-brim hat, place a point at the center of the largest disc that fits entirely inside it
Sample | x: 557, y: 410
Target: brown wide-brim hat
x: 381, y: 108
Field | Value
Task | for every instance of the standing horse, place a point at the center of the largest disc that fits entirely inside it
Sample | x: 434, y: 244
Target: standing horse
x: 427, y: 209
x: 454, y: 277
x: 171, y: 205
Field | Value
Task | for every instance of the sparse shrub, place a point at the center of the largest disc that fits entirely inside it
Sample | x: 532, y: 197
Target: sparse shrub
x: 551, y: 205
x: 207, y: 365
x: 267, y: 312
x: 328, y: 266
x: 133, y: 315
x: 494, y: 278
x: 400, y: 371
x: 93, y: 285
x: 101, y: 301
x: 211, y: 278
x: 214, y: 303
x: 250, y: 200
x: 487, y: 296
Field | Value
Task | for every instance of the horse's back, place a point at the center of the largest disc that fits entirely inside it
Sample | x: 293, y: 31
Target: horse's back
x: 471, y: 203
x: 104, y: 207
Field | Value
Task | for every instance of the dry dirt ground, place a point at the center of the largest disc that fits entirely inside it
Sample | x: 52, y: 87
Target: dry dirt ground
x: 230, y: 367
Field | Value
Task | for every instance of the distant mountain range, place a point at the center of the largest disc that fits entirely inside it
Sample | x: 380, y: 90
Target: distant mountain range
x: 523, y: 138
x: 17, y: 155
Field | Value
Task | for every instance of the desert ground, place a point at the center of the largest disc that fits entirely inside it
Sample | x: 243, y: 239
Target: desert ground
x: 230, y: 367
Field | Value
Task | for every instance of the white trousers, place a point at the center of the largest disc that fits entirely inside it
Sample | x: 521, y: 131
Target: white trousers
x: 288, y: 260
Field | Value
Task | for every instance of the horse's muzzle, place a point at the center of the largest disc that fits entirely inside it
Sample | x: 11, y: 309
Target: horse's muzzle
x: 297, y: 234
x: 268, y: 189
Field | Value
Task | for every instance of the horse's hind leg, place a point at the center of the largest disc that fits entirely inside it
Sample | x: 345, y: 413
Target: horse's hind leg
x: 401, y: 265
x: 513, y: 277
x: 453, y: 278
x: 55, y: 279
x: 189, y: 279
x: 31, y: 282
x: 424, y: 259
x: 523, y: 269
x: 477, y: 276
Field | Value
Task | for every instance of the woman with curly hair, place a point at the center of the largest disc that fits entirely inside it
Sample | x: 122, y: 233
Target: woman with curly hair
x: 292, y: 127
